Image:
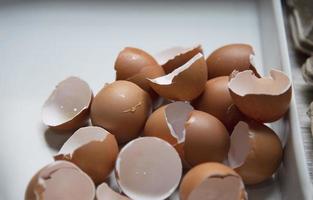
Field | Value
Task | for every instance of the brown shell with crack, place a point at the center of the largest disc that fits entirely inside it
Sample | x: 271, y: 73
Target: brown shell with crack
x: 224, y: 60
x: 186, y: 85
x: 199, y: 174
x: 121, y: 103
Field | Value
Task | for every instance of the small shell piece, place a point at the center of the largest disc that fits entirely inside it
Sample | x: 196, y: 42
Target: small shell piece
x: 255, y: 152
x: 307, y: 70
x: 93, y: 149
x: 184, y: 83
x: 104, y: 192
x: 148, y: 168
x: 60, y: 180
x: 172, y: 58
x: 262, y: 99
x: 68, y: 106
x: 212, y: 181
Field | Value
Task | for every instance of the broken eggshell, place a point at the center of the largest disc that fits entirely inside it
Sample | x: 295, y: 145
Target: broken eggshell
x: 212, y: 181
x: 184, y: 83
x: 148, y: 168
x: 197, y: 136
x: 93, y: 149
x: 255, y: 152
x: 122, y: 108
x: 224, y: 60
x: 60, y: 180
x: 172, y: 58
x: 68, y: 106
x: 104, y: 192
x: 262, y: 99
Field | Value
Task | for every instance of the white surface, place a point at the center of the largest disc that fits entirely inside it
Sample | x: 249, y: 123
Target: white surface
x: 43, y: 43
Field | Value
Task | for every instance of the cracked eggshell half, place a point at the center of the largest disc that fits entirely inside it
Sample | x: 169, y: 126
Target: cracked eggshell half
x: 104, y: 192
x: 172, y: 58
x: 93, y: 149
x: 212, y: 181
x: 148, y: 168
x: 122, y: 108
x: 262, y: 99
x: 197, y: 136
x: 255, y: 152
x: 60, y: 180
x: 184, y: 83
x: 224, y: 60
x: 68, y: 105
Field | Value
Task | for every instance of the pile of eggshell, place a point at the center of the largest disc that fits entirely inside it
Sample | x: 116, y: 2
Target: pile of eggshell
x: 164, y: 116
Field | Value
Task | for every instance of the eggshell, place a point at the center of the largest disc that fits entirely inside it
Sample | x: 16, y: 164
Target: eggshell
x: 224, y: 60
x: 60, y: 180
x: 174, y: 57
x: 68, y: 105
x: 93, y: 149
x: 216, y: 100
x: 104, y: 192
x: 255, y: 153
x: 148, y: 168
x: 122, y: 108
x: 184, y: 83
x: 212, y: 181
x: 263, y: 99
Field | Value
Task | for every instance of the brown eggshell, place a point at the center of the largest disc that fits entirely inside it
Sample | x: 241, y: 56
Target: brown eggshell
x: 93, y: 149
x: 216, y: 100
x: 207, y: 139
x: 131, y: 61
x: 68, y: 106
x: 224, y: 60
x: 122, y: 108
x: 104, y: 192
x: 184, y: 83
x: 213, y: 180
x: 174, y: 57
x: 263, y: 99
x: 60, y: 180
x: 256, y: 152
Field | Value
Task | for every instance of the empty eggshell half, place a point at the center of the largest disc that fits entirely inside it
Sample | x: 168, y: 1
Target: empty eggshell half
x: 60, y: 180
x: 148, y: 168
x: 68, y: 106
x: 93, y: 149
x: 255, y: 152
x: 211, y: 181
x: 262, y: 99
x: 104, y: 192
x: 224, y: 60
x: 172, y: 58
x: 184, y: 83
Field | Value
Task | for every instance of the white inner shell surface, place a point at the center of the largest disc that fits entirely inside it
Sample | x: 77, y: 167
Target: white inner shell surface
x: 148, y: 168
x: 168, y: 79
x: 275, y: 84
x: 104, y: 192
x: 68, y: 99
x: 176, y: 115
x: 82, y: 137
x: 240, y: 145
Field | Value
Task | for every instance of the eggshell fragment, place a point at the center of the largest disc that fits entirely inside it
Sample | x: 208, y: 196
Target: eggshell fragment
x: 224, y: 60
x: 60, y: 180
x: 216, y: 100
x: 148, y: 168
x: 93, y: 149
x: 68, y: 106
x: 174, y: 57
x: 255, y: 152
x: 122, y: 108
x: 104, y: 192
x: 262, y: 99
x: 211, y: 181
x: 184, y: 83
